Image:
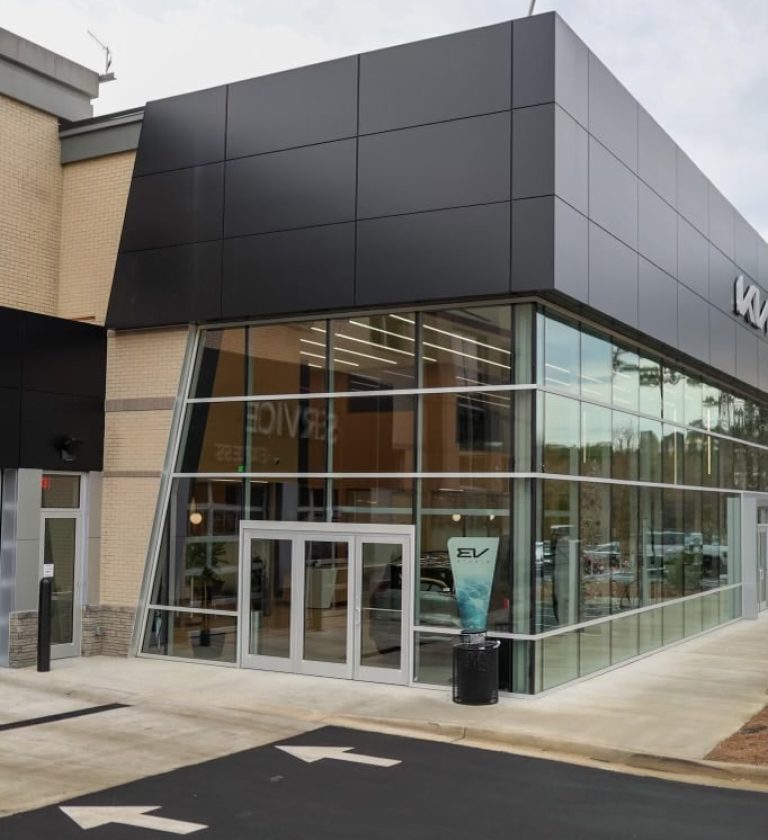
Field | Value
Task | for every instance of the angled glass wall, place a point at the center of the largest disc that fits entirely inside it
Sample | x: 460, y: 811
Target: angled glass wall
x: 610, y: 477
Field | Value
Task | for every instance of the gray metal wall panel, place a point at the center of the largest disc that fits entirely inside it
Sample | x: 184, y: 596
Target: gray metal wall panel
x: 720, y: 221
x: 571, y: 160
x: 745, y: 246
x: 612, y: 113
x: 571, y: 72
x: 436, y: 166
x: 657, y: 230
x: 656, y: 157
x: 533, y: 61
x: 692, y: 258
x: 722, y: 274
x: 657, y: 303
x: 533, y: 158
x: 722, y: 342
x: 692, y: 324
x: 445, y: 78
x: 612, y: 276
x: 612, y: 194
x: 762, y: 262
x: 571, y: 275
x: 746, y: 355
x: 692, y: 193
x: 533, y: 244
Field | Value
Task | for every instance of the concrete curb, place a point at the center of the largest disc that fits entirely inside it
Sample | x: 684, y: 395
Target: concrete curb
x: 698, y: 771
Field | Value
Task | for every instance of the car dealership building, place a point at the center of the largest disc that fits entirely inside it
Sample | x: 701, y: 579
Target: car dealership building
x: 339, y: 326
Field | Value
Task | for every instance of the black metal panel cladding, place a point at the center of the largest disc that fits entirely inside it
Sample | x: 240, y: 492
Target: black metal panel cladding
x: 503, y: 160
x: 52, y: 386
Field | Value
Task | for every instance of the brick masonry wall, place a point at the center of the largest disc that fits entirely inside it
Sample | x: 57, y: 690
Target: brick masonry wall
x: 30, y: 207
x: 22, y: 650
x: 143, y: 372
x: 94, y: 195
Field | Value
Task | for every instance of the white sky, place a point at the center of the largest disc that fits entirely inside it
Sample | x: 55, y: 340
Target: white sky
x: 699, y: 66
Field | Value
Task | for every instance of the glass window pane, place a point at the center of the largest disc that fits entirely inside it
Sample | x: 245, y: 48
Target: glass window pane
x: 650, y: 630
x: 433, y: 656
x: 453, y: 508
x: 373, y: 433
x: 693, y: 542
x: 381, y: 620
x: 673, y: 543
x: 467, y: 347
x: 712, y: 550
x: 626, y: 379
x: 692, y: 616
x: 561, y: 435
x: 561, y: 356
x: 191, y: 635
x: 326, y: 583
x: 650, y: 450
x: 710, y: 407
x: 374, y: 352
x: 595, y: 440
x: 220, y: 369
x: 624, y: 638
x: 672, y: 451
x: 694, y: 458
x: 60, y: 551
x: 287, y: 358
x: 710, y: 465
x: 60, y: 491
x: 466, y: 432
x: 625, y: 446
x: 557, y: 554
x: 694, y: 414
x: 386, y: 500
x: 594, y: 648
x: 674, y: 396
x: 598, y: 553
x: 596, y: 368
x: 650, y: 386
x: 287, y: 500
x: 269, y: 614
x: 198, y: 561
x: 651, y: 546
x: 672, y: 623
x: 626, y: 562
x: 559, y: 659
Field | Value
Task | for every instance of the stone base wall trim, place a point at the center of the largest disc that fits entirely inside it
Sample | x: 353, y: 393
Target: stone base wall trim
x: 107, y: 630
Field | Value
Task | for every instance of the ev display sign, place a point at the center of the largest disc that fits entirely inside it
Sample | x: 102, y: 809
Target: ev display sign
x: 473, y: 563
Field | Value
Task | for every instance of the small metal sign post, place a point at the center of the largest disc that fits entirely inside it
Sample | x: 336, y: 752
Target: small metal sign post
x: 44, y: 619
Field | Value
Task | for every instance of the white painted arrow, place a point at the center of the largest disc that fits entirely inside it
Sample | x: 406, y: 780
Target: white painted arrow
x: 136, y: 815
x: 312, y: 754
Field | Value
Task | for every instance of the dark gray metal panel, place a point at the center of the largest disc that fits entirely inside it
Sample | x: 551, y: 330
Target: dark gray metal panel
x: 692, y: 258
x: 692, y: 324
x: 571, y: 252
x: 174, y: 208
x: 692, y: 193
x: 571, y: 160
x: 721, y: 215
x: 439, y: 79
x: 167, y: 286
x: 47, y: 418
x: 612, y: 113
x: 292, y: 271
x: 10, y: 420
x: 296, y: 108
x: 11, y: 321
x: 571, y: 72
x: 657, y: 230
x: 722, y: 275
x: 746, y: 355
x: 722, y: 341
x: 762, y: 260
x: 656, y: 157
x: 182, y: 131
x: 612, y: 194
x: 431, y: 256
x: 444, y: 165
x: 533, y: 60
x: 745, y: 246
x: 657, y: 303
x: 762, y: 365
x: 533, y: 244
x: 612, y: 276
x: 314, y: 185
x: 533, y: 151
x: 63, y: 357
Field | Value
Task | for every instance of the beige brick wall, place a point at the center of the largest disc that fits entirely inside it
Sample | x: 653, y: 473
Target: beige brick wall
x: 94, y: 195
x: 141, y: 367
x: 30, y: 207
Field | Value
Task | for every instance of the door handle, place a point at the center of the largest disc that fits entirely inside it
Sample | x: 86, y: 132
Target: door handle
x: 357, y: 616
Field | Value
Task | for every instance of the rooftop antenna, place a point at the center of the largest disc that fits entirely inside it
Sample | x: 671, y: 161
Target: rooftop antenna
x: 106, y: 76
x: 531, y: 7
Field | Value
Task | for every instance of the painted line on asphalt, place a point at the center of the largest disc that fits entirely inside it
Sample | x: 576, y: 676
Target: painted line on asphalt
x: 90, y: 710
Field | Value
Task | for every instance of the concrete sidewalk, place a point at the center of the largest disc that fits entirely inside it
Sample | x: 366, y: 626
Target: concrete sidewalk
x: 675, y: 705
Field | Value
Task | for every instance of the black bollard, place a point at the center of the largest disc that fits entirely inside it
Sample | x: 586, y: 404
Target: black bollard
x: 44, y: 625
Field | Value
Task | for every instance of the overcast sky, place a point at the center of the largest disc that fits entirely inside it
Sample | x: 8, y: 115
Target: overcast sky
x: 699, y: 66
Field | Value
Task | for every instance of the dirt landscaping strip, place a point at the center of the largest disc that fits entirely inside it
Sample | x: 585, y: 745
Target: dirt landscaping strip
x: 749, y: 745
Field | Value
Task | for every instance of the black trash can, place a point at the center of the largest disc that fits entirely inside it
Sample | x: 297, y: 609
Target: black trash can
x: 476, y: 672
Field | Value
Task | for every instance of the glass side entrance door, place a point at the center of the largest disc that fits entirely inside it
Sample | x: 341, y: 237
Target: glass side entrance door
x: 762, y: 566
x: 60, y: 552
x: 325, y: 601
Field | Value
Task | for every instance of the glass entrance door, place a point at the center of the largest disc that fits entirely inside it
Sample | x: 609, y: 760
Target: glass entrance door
x: 60, y: 552
x: 762, y: 566
x: 319, y: 600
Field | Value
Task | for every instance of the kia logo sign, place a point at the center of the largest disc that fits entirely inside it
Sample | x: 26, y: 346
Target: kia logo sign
x: 747, y: 303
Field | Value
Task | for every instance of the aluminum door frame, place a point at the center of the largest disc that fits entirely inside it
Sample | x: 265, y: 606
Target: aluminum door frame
x: 299, y: 533
x: 762, y: 567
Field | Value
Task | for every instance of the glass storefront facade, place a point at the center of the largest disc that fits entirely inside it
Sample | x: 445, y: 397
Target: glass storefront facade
x: 609, y: 477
